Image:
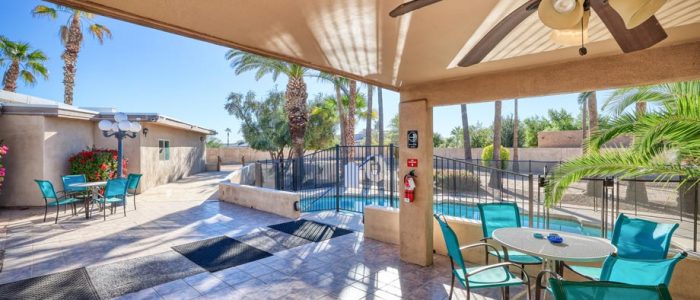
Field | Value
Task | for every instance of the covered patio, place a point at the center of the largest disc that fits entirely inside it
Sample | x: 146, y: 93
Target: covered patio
x: 417, y: 54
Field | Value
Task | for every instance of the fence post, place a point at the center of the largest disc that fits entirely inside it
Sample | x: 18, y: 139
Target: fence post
x: 531, y: 197
x: 258, y: 174
x: 695, y: 218
x: 392, y: 179
x: 337, y: 178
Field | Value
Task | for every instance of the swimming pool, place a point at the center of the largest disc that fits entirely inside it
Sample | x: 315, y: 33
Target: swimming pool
x: 468, y: 211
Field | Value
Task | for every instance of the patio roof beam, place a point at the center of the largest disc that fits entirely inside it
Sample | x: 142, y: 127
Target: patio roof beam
x: 652, y: 66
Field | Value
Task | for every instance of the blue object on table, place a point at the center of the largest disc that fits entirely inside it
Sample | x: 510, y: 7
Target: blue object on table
x: 554, y: 238
x: 538, y: 236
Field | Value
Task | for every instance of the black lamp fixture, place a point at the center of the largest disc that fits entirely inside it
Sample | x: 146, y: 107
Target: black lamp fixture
x: 121, y: 128
x: 145, y: 132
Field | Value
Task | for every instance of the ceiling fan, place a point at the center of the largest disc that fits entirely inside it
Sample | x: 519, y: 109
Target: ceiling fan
x: 631, y: 23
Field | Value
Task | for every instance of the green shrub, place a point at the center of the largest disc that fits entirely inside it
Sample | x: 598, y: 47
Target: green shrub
x: 96, y: 164
x: 487, y: 156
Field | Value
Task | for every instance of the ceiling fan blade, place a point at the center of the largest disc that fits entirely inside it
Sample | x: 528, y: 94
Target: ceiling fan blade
x: 493, y: 37
x: 410, y: 6
x: 641, y: 37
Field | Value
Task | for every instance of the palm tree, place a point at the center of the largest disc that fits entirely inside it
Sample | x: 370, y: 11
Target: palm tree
x: 368, y: 126
x: 228, y: 133
x: 666, y: 142
x: 516, y: 122
x: 339, y: 85
x: 590, y: 99
x: 380, y: 122
x: 583, y: 101
x: 495, y: 180
x: 465, y: 133
x: 623, y: 98
x: 23, y: 63
x: 295, y: 106
x: 72, y: 38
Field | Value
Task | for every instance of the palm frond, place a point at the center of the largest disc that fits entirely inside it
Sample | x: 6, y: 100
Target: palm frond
x: 621, y: 125
x: 100, y: 31
x: 63, y: 34
x: 45, y: 11
x: 27, y: 77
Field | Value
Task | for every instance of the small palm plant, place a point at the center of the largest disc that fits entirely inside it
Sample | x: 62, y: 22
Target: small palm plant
x: 24, y: 63
x: 666, y: 141
x: 72, y: 38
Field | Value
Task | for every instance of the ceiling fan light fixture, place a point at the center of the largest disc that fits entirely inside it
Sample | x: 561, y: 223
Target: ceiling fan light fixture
x: 564, y: 6
x: 551, y: 16
x: 635, y: 12
x: 572, y: 36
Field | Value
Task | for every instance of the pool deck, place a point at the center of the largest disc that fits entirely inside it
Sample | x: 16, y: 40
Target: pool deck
x: 346, y: 267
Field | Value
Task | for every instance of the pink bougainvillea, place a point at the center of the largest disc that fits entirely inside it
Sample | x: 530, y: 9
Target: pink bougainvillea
x: 3, y: 171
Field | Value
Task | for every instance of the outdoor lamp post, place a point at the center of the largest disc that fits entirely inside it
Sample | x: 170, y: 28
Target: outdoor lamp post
x: 120, y: 129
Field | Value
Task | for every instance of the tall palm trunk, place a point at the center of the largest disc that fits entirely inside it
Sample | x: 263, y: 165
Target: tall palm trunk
x: 593, y: 113
x: 341, y: 111
x: 380, y: 123
x: 465, y: 133
x: 495, y: 180
x: 9, y: 80
x: 350, y: 120
x: 584, y: 122
x: 516, y: 124
x: 640, y: 108
x: 368, y: 126
x: 297, y: 113
x: 70, y: 57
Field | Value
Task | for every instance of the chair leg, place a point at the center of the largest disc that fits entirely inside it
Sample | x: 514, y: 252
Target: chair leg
x: 452, y: 287
x: 124, y: 205
x: 46, y: 210
x: 134, y: 200
x: 104, y: 211
x: 58, y: 208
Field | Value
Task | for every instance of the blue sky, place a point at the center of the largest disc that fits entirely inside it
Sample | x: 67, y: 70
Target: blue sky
x: 146, y: 70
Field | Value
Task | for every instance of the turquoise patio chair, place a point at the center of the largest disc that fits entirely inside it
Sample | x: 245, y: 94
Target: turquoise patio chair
x: 75, y: 192
x: 635, y: 239
x: 489, y: 276
x: 503, y: 215
x: 646, y: 272
x: 115, y: 193
x: 132, y: 185
x: 603, y: 290
x: 48, y: 192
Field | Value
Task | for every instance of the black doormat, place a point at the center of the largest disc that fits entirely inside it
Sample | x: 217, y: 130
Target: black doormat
x: 220, y: 253
x: 2, y: 258
x: 310, y: 230
x: 73, y: 284
x: 131, y: 275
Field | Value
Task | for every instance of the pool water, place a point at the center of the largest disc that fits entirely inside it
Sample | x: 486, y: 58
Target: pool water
x: 468, y: 211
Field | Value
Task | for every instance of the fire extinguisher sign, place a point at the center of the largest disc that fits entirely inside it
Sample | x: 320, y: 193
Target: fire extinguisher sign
x: 412, y: 163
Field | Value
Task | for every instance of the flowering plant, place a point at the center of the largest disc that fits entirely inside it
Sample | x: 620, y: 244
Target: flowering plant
x: 3, y: 152
x: 96, y: 164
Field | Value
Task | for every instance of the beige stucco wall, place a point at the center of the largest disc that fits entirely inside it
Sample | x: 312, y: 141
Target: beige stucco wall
x: 573, y: 139
x: 535, y: 154
x: 268, y: 200
x: 187, y: 153
x: 64, y: 137
x: 24, y: 135
x: 235, y: 155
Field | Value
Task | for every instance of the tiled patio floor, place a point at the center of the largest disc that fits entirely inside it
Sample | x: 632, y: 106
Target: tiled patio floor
x: 346, y: 267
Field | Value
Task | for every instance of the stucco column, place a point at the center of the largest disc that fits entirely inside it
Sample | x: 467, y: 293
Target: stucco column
x: 416, y: 224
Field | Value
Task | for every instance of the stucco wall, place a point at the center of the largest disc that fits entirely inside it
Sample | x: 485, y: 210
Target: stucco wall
x: 186, y: 155
x: 62, y: 138
x: 538, y: 154
x: 269, y: 200
x: 573, y: 139
x: 235, y: 155
x: 24, y: 135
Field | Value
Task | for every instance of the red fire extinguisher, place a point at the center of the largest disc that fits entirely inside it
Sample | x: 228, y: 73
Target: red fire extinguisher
x: 410, y: 187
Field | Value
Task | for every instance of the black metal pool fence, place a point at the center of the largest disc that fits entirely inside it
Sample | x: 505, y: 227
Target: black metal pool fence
x: 347, y: 178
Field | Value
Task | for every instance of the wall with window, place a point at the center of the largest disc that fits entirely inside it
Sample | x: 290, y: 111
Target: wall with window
x: 168, y: 154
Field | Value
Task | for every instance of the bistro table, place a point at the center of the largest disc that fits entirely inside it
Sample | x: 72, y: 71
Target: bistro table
x: 94, y: 191
x: 574, y: 247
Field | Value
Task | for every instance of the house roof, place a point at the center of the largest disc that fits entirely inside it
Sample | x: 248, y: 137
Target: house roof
x: 20, y: 104
x: 358, y: 39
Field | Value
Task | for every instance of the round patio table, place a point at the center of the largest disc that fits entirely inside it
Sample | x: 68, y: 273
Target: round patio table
x: 574, y: 247
x: 94, y: 190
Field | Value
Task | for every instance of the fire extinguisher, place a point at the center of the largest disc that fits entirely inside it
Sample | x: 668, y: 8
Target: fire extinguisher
x: 410, y: 187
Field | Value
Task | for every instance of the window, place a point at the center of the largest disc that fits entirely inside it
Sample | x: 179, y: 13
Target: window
x: 164, y: 149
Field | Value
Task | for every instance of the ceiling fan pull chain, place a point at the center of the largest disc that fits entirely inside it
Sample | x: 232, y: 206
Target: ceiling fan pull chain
x: 582, y: 51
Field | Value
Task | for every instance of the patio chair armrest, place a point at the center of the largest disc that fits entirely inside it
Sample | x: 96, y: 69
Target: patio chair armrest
x: 538, y: 283
x: 499, y: 265
x: 483, y: 244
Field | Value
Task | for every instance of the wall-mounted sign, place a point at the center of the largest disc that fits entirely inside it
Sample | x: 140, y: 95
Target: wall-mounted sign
x: 412, y: 139
x: 412, y: 163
